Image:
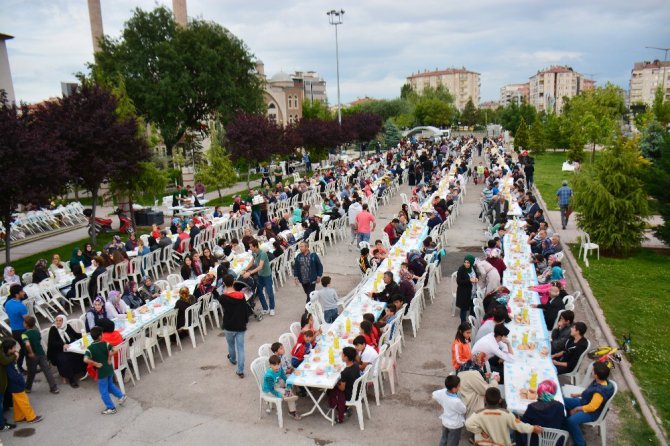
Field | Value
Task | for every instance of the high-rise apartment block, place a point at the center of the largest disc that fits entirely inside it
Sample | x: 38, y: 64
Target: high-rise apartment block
x: 645, y: 78
x: 461, y: 83
x: 549, y: 87
x: 514, y: 93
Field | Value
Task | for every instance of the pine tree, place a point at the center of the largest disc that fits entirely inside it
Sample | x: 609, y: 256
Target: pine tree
x: 652, y: 139
x: 537, y: 141
x: 521, y: 138
x: 610, y: 199
x: 391, y: 133
x: 658, y: 184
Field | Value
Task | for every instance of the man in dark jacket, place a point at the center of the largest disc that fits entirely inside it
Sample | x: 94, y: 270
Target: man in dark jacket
x: 307, y: 269
x: 561, y: 334
x: 552, y: 307
x: 235, y: 317
x: 390, y: 289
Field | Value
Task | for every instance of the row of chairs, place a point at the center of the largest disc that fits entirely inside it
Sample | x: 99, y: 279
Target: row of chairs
x: 41, y: 221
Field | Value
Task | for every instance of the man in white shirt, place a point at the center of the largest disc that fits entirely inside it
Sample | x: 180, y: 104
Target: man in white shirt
x: 366, y: 353
x: 497, y: 349
x: 499, y: 316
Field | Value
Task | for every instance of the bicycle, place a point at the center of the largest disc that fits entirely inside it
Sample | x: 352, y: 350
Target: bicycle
x: 606, y: 354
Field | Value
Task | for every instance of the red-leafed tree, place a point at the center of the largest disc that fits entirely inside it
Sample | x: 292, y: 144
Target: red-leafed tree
x: 361, y: 127
x: 35, y: 164
x: 103, y: 143
x: 319, y: 135
x: 254, y: 138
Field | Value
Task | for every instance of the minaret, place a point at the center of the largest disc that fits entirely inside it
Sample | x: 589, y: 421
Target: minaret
x: 179, y: 10
x: 5, y: 73
x: 95, y: 17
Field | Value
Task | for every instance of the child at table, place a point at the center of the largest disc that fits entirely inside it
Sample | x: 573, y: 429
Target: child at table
x: 366, y: 354
x: 302, y: 348
x: 307, y: 323
x: 274, y: 383
x: 278, y: 349
x: 343, y: 390
x: 327, y: 296
x: 16, y: 385
x: 453, y: 411
x: 367, y: 334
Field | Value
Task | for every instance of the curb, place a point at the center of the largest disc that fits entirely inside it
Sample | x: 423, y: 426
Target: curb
x: 599, y: 315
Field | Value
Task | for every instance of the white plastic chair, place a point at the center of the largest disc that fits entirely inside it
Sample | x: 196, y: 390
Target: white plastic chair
x: 600, y: 424
x: 121, y: 361
x: 375, y: 373
x: 258, y: 367
x: 550, y: 437
x: 167, y: 327
x: 572, y: 376
x: 81, y: 293
x: 136, y: 348
x: 586, y: 245
x: 205, y: 302
x: 389, y: 366
x: 414, y: 315
x: 295, y: 329
x: 359, y: 397
x: 288, y: 340
x: 193, y: 321
x: 266, y: 350
x: 174, y: 280
x: 151, y: 342
x: 569, y: 389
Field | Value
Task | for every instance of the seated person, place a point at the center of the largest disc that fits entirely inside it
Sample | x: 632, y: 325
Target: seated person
x: 390, y: 230
x: 274, y: 383
x: 566, y: 360
x: 475, y: 380
x: 379, y: 246
x: 587, y: 406
x: 390, y: 288
x: 366, y: 353
x: 551, y: 308
x: 495, y: 423
x: 368, y: 334
x: 545, y: 412
x: 302, y: 348
x: 497, y: 349
x: 364, y: 260
x: 343, y: 391
x: 561, y: 334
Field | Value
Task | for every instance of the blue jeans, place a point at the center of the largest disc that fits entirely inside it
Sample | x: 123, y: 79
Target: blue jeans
x: 105, y: 386
x: 2, y: 416
x: 235, y: 341
x: 265, y: 283
x: 363, y: 237
x: 450, y: 437
x: 573, y: 421
x: 330, y: 315
x: 256, y: 218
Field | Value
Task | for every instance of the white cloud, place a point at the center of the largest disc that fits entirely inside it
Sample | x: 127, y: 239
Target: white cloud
x: 381, y: 41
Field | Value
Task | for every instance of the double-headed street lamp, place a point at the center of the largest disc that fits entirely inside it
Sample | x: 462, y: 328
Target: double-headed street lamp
x: 335, y: 18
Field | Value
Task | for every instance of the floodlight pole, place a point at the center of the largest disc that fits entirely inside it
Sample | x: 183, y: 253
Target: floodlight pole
x: 335, y: 18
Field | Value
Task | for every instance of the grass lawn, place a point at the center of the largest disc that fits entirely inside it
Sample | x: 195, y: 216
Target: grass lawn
x: 633, y: 292
x: 548, y: 176
x: 26, y: 264
x: 632, y: 427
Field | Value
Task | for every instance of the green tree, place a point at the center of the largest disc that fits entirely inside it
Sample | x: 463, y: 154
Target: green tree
x: 178, y: 77
x: 521, y: 137
x: 537, y: 141
x: 658, y: 184
x: 384, y: 108
x: 553, y: 136
x: 652, y: 139
x: 661, y: 107
x: 316, y: 109
x: 406, y: 91
x: 433, y: 111
x: 469, y: 114
x: 219, y: 171
x: 610, y: 198
x: 391, y: 134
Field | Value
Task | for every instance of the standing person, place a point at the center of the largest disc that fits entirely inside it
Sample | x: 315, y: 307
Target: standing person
x: 16, y: 386
x: 327, y: 296
x: 453, y: 411
x: 32, y: 341
x: 354, y: 209
x: 99, y: 355
x: 265, y: 176
x: 529, y: 170
x: 6, y: 359
x: 564, y: 196
x: 235, y: 317
x: 261, y: 265
x: 466, y: 277
x: 307, y: 269
x: 16, y: 310
x: 365, y: 224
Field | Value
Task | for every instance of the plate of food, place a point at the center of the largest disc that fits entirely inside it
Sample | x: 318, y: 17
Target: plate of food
x: 528, y: 394
x: 143, y: 309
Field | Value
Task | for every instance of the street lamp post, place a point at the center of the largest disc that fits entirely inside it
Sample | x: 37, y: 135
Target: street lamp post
x: 335, y: 18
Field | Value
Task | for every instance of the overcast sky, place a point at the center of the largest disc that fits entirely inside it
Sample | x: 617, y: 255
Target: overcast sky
x: 381, y: 41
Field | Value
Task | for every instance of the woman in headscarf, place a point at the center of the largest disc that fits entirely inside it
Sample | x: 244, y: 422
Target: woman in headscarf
x: 466, y: 276
x: 77, y: 258
x: 493, y: 257
x: 131, y: 297
x: 115, y: 306
x: 79, y: 275
x: 489, y: 279
x: 149, y: 290
x: 40, y: 271
x: 10, y: 277
x: 474, y: 383
x: 69, y: 365
x: 205, y: 286
x: 89, y: 253
x: 95, y: 313
x: 99, y: 265
x: 57, y: 266
x: 185, y: 301
x: 545, y: 412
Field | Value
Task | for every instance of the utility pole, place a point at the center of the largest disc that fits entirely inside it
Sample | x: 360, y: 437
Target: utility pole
x: 335, y: 18
x: 665, y: 59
